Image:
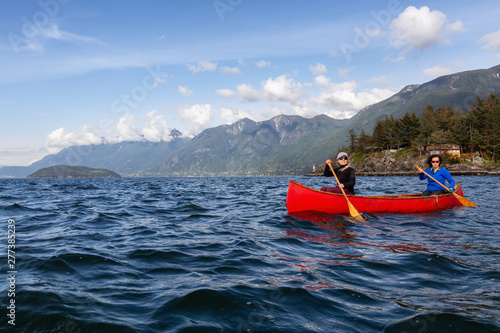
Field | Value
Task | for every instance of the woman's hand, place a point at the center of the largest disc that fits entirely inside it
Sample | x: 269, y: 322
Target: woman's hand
x: 420, y: 170
x: 328, y: 162
x: 341, y: 186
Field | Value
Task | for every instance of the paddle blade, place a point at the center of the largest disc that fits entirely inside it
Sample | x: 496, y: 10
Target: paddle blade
x: 464, y: 201
x: 354, y: 212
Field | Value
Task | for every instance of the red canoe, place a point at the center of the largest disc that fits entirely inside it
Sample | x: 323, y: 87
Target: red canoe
x: 302, y: 198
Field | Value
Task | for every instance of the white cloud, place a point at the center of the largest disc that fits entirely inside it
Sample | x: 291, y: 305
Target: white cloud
x: 225, y: 93
x: 197, y: 118
x: 156, y: 128
x: 436, y: 71
x: 338, y: 100
x: 126, y: 130
x: 247, y: 93
x: 458, y: 63
x: 421, y: 28
x: 322, y: 80
x: 232, y: 115
x: 263, y: 63
x: 318, y: 69
x: 202, y: 66
x: 231, y: 70
x: 61, y: 138
x: 185, y: 91
x: 452, y: 28
x: 491, y: 41
x: 341, y: 99
x: 281, y: 88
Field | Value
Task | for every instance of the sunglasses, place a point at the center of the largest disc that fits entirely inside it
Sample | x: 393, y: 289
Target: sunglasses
x: 343, y: 158
x: 435, y: 161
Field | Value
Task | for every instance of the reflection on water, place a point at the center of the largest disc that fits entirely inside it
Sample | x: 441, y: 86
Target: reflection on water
x: 342, y: 234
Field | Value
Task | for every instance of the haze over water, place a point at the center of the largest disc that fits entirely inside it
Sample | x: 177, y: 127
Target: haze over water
x: 223, y: 255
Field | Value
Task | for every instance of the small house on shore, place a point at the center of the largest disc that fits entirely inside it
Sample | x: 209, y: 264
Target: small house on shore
x: 442, y: 149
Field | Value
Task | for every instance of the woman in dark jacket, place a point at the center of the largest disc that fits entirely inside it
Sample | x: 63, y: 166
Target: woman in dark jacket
x: 345, y: 173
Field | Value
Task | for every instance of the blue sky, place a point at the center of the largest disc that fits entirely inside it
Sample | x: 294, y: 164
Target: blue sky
x: 76, y: 72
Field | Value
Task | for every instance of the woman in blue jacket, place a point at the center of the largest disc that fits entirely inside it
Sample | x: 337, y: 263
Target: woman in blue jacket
x: 439, y: 174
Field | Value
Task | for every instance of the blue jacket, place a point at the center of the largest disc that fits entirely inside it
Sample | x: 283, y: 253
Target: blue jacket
x: 440, y: 175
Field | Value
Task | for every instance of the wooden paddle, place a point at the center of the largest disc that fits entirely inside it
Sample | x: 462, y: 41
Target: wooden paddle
x: 463, y: 201
x: 352, y: 210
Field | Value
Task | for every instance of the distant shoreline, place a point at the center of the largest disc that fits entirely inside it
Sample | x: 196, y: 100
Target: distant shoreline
x: 414, y: 173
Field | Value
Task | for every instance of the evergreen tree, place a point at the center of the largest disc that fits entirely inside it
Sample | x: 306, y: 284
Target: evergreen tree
x: 476, y: 117
x: 393, y: 131
x: 364, y: 141
x: 379, y: 135
x: 428, y: 125
x: 353, y: 141
x: 492, y: 125
x: 410, y: 128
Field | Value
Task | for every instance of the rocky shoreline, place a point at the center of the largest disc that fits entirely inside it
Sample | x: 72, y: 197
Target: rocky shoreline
x: 400, y: 163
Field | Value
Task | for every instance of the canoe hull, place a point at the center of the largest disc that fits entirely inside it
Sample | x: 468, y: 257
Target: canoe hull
x: 302, y: 198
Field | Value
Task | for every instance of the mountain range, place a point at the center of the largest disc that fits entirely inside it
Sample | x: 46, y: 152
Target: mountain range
x: 283, y: 145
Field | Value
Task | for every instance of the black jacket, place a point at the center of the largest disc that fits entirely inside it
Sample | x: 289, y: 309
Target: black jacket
x: 346, y: 177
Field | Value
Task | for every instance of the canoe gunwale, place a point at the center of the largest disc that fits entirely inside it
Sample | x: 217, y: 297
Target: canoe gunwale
x: 384, y: 197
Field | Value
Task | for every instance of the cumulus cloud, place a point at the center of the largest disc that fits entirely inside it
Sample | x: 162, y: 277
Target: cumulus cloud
x: 247, y: 93
x: 153, y: 128
x: 263, y: 63
x: 185, y: 91
x: 436, y: 71
x: 322, y: 80
x: 421, y: 28
x: 341, y: 100
x: 280, y: 88
x: 156, y: 128
x: 231, y: 115
x: 126, y: 130
x: 197, y: 117
x: 61, y: 138
x: 318, y: 69
x: 202, y: 66
x: 491, y: 41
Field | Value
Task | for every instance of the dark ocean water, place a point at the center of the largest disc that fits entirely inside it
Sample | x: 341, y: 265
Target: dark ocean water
x: 223, y: 255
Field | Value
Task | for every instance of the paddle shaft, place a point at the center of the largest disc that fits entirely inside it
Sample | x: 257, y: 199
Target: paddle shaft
x: 337, y: 179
